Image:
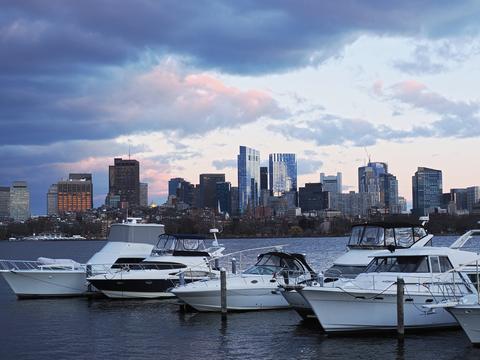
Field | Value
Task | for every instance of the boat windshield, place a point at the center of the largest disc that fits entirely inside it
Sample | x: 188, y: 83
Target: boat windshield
x: 378, y: 236
x: 169, y: 243
x: 400, y: 264
x: 270, y: 264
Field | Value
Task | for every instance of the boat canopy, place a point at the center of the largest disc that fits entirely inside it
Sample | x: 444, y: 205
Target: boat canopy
x: 181, y: 245
x: 274, y: 262
x: 383, y: 235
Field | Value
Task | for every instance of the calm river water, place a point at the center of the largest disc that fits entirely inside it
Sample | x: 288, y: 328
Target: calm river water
x: 155, y: 329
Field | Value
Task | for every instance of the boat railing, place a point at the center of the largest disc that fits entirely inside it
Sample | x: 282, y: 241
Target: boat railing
x: 28, y: 265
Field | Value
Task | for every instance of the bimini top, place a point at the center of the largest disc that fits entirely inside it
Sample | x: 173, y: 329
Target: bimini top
x: 181, y: 245
x: 385, y: 235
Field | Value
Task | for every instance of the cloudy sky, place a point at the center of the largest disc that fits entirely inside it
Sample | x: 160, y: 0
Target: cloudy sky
x: 186, y: 82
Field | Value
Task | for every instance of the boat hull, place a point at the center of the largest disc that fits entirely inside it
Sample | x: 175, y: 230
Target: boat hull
x: 51, y: 283
x: 360, y: 311
x: 299, y: 304
x: 135, y: 288
x: 469, y: 319
x: 244, y: 293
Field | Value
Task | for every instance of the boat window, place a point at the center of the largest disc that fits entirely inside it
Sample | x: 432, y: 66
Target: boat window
x: 404, y: 264
x: 404, y: 237
x: 271, y: 264
x: 356, y: 235
x: 373, y: 236
x: 445, y: 264
x: 435, y: 264
x: 418, y: 233
x: 344, y: 271
x: 389, y: 237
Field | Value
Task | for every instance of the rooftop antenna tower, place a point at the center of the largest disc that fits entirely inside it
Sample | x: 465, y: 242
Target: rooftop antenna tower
x: 368, y: 155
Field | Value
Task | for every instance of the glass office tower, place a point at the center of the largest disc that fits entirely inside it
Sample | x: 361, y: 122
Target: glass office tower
x: 282, y: 173
x: 426, y: 190
x: 248, y: 167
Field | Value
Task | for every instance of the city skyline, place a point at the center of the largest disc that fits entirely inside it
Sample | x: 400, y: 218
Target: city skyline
x: 399, y: 79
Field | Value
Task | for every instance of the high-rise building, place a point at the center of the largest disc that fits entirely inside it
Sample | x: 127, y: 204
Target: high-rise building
x: 185, y: 192
x: 354, y: 204
x: 19, y: 201
x: 282, y: 170
x: 124, y: 182
x: 173, y: 185
x: 208, y: 189
x: 52, y: 200
x: 75, y: 194
x: 426, y: 190
x: 369, y: 176
x: 144, y: 194
x: 312, y: 197
x: 263, y: 178
x: 4, y: 202
x: 234, y: 200
x: 223, y: 195
x: 248, y: 166
x: 473, y: 197
x: 389, y: 193
x: 331, y: 183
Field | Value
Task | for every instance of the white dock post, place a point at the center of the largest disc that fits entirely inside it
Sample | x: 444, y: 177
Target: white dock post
x: 234, y: 266
x: 223, y: 292
x: 400, y: 309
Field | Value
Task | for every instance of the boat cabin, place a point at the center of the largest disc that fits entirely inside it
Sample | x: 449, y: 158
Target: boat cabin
x: 410, y: 264
x: 385, y: 235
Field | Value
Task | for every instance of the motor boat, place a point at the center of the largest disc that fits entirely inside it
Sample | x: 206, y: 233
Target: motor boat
x: 128, y: 242
x: 368, y: 302
x: 254, y: 289
x: 175, y: 257
x: 365, y: 240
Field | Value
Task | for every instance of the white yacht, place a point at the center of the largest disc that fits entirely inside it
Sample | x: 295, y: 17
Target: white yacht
x: 127, y: 242
x: 365, y: 240
x: 254, y: 289
x: 172, y: 257
x: 369, y: 301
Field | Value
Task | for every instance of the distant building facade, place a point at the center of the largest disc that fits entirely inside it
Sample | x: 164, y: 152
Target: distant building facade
x: 144, y: 194
x: 248, y: 167
x: 173, y: 185
x: 19, y: 201
x: 354, y: 204
x: 282, y: 169
x: 124, y: 183
x: 311, y: 197
x: 331, y: 183
x: 4, y: 202
x: 427, y: 190
x: 224, y: 197
x: 263, y: 178
x: 389, y: 193
x: 208, y: 190
x: 75, y: 194
x: 52, y: 200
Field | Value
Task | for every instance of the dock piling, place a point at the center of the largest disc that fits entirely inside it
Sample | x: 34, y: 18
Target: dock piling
x: 234, y: 266
x: 400, y: 309
x: 223, y: 292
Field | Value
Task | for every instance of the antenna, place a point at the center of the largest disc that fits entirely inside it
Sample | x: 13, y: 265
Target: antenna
x: 368, y: 155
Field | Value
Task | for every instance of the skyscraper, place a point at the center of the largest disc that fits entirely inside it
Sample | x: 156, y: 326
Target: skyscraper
x: 124, y: 182
x: 4, y: 202
x: 223, y: 194
x: 52, y: 200
x: 19, y: 201
x: 173, y: 185
x: 331, y: 183
x: 389, y: 193
x: 426, y: 190
x: 369, y: 176
x: 264, y: 178
x: 312, y: 197
x: 208, y: 189
x: 282, y: 170
x: 248, y: 167
x: 144, y: 194
x: 75, y: 194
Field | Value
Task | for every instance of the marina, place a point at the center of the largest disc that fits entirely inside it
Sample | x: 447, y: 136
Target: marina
x: 132, y: 328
